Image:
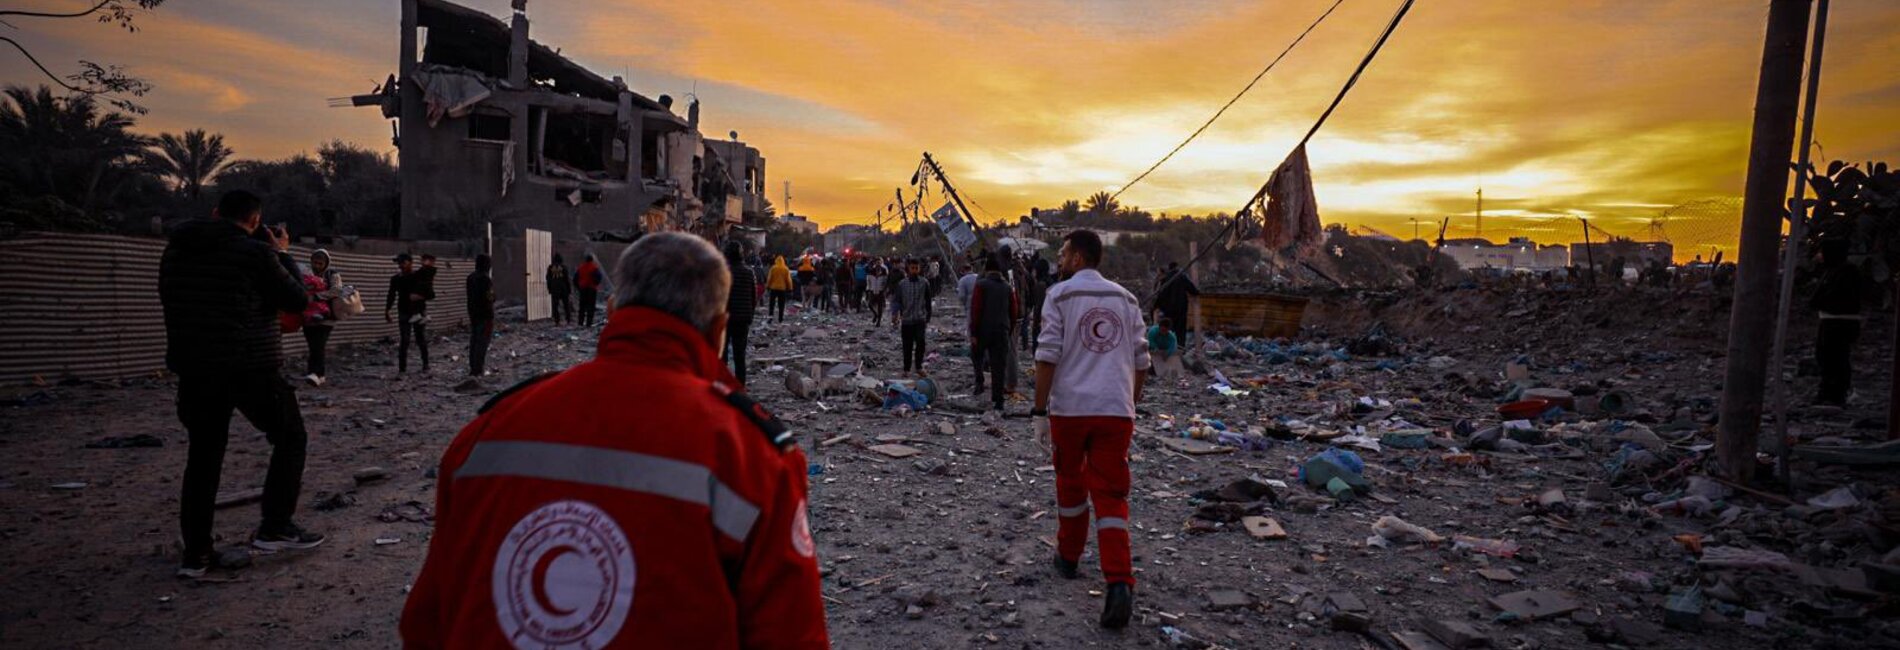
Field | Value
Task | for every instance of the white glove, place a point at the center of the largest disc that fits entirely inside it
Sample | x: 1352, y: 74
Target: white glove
x: 1041, y: 423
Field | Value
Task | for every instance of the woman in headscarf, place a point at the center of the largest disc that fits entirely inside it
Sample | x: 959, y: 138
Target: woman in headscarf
x: 316, y: 332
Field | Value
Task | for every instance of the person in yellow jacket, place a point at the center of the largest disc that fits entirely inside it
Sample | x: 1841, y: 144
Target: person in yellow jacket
x: 778, y: 284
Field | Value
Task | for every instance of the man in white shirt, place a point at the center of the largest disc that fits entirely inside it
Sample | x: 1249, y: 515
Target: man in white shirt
x: 965, y: 283
x: 1090, y: 358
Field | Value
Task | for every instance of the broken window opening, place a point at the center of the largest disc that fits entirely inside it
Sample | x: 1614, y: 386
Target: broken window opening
x: 491, y: 125
x: 652, y: 154
x: 577, y: 146
x: 470, y: 49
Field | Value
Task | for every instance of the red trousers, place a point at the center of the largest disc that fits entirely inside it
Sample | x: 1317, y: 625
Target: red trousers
x: 1092, y: 465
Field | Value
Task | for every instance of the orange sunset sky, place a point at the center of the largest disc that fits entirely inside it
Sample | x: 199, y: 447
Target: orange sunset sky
x: 1612, y: 110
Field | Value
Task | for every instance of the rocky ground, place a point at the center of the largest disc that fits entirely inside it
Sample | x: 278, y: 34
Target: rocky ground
x: 1610, y: 514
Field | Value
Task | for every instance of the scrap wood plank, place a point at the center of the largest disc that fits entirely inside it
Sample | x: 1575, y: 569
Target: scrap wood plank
x: 1263, y: 528
x: 1534, y: 605
x: 835, y: 440
x: 896, y: 451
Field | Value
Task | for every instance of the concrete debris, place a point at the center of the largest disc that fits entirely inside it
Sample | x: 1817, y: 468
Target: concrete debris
x: 1535, y: 605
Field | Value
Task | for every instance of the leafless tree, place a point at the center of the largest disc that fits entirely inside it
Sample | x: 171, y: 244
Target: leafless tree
x: 109, y: 81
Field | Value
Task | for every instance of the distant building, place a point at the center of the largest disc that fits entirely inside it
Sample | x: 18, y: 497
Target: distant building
x: 848, y: 236
x: 745, y: 170
x: 1635, y: 254
x: 1518, y: 254
x: 799, y: 224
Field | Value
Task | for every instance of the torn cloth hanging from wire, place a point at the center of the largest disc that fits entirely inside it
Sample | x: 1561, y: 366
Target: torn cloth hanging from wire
x: 1292, y: 213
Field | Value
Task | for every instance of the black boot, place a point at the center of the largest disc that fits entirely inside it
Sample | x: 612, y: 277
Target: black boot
x: 1118, y: 605
x: 1066, y: 568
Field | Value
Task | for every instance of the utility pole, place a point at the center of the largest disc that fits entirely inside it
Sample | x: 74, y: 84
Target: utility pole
x: 937, y: 171
x: 1751, y: 319
x: 1797, y: 233
x: 1589, y: 252
x: 923, y: 218
x: 1480, y: 213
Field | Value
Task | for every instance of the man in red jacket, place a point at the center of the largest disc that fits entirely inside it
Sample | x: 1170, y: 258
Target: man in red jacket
x: 677, y: 519
x: 587, y: 279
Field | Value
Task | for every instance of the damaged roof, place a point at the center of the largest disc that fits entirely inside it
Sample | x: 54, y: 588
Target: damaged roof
x: 464, y: 37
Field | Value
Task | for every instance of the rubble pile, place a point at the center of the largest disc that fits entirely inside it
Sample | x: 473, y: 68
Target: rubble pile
x: 1492, y: 466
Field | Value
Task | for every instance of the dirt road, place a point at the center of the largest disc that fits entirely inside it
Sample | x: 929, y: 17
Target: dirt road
x: 948, y: 549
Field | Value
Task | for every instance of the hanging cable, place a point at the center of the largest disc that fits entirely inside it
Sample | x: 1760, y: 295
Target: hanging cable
x: 1230, y: 102
x: 1258, y: 196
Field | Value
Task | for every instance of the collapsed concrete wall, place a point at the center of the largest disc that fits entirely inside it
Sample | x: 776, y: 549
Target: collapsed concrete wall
x: 495, y: 128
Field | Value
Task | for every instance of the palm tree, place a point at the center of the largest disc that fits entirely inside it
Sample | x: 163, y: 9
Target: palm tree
x: 190, y: 160
x: 1102, y: 204
x: 65, y: 146
x: 1071, y: 208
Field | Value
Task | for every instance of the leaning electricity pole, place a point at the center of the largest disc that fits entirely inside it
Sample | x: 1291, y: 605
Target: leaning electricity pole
x: 937, y: 171
x: 1752, y: 318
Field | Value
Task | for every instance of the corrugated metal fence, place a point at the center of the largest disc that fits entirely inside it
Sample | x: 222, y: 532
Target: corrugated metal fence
x: 86, y: 306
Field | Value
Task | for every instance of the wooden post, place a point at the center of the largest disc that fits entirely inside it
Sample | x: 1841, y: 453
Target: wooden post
x: 1893, y: 394
x: 1797, y: 234
x: 409, y: 126
x: 1194, y: 302
x: 1751, y: 320
x: 1589, y: 252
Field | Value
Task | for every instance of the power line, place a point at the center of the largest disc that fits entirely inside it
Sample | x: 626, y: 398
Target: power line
x: 1397, y: 16
x: 1230, y: 102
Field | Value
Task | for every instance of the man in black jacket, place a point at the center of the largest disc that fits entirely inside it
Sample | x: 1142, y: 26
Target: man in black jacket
x: 560, y: 287
x: 1173, y: 300
x: 481, y: 314
x: 409, y: 292
x: 741, y: 300
x: 222, y: 286
x: 994, y: 311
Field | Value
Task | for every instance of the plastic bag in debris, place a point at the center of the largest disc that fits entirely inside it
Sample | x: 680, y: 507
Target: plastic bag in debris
x: 1837, y: 498
x: 1691, y: 506
x: 899, y: 396
x: 1331, y: 464
x: 1343, y: 458
x: 1706, y: 487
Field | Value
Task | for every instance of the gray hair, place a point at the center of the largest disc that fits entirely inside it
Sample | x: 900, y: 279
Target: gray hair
x: 675, y: 273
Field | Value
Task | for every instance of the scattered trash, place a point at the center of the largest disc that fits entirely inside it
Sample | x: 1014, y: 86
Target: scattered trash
x: 1835, y: 499
x: 1398, y: 530
x: 1683, y: 609
x: 1263, y: 528
x: 369, y: 475
x: 896, y: 450
x: 1335, y: 464
x: 1493, y: 547
x: 1497, y: 575
x: 1535, y: 605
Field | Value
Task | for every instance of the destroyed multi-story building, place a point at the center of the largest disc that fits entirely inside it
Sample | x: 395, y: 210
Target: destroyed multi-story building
x: 745, y: 169
x: 497, y: 130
